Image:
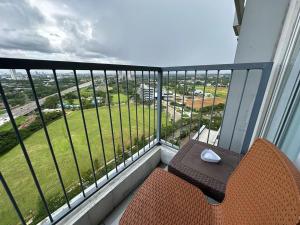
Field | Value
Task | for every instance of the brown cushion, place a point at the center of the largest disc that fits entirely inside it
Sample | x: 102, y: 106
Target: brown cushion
x: 167, y: 199
x: 263, y: 190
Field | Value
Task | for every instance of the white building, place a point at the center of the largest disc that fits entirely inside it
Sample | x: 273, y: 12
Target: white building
x: 166, y: 94
x: 198, y: 92
x: 146, y: 93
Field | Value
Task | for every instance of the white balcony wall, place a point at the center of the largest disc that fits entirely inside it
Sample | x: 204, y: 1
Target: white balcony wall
x: 260, y: 31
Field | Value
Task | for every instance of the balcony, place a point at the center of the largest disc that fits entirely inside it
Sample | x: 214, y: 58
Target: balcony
x: 82, y: 136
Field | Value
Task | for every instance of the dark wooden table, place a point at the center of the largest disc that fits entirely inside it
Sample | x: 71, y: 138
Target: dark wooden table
x: 211, y: 178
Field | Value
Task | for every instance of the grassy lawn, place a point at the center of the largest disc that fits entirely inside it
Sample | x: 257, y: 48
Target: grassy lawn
x: 7, y: 126
x: 123, y: 98
x: 15, y: 170
x: 221, y: 91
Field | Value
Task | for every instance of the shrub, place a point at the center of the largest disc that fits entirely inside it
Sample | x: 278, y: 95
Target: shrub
x: 8, y: 138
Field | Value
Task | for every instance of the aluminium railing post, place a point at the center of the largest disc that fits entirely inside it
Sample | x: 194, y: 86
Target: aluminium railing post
x: 110, y: 120
x: 174, y: 107
x: 154, y: 102
x: 212, y: 108
x: 200, y: 122
x: 149, y: 107
x: 183, y: 104
x: 167, y: 111
x: 47, y: 136
x: 129, y: 116
x: 136, y: 114
x: 239, y: 107
x: 224, y: 110
x: 25, y: 153
x: 99, y: 123
x: 266, y: 71
x: 120, y: 118
x: 193, y: 98
x: 68, y: 131
x: 85, y: 127
x: 12, y: 199
x: 159, y: 105
x: 143, y: 95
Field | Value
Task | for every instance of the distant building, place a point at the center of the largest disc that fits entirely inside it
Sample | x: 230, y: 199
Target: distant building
x: 146, y: 93
x: 208, y: 95
x: 99, y: 101
x: 51, y: 110
x: 69, y: 106
x: 167, y: 94
x: 198, y: 92
x: 13, y: 74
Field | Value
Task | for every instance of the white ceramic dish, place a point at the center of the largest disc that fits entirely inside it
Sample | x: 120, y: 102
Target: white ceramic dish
x: 209, y: 155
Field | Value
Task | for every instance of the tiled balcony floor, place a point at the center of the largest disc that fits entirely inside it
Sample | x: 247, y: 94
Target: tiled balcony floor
x: 114, y: 217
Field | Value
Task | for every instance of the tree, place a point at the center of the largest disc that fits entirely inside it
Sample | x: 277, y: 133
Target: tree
x: 51, y: 102
x: 71, y: 101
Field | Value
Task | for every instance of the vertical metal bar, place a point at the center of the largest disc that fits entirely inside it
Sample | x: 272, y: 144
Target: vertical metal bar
x: 12, y: 199
x: 129, y: 118
x: 212, y: 108
x: 193, y: 96
x: 159, y: 105
x: 238, y: 111
x: 47, y: 136
x: 201, y: 112
x: 120, y: 117
x: 99, y: 124
x: 149, y: 130
x: 168, y: 79
x: 175, y: 102
x: 184, y: 85
x: 136, y: 114
x: 154, y: 102
x: 68, y: 131
x: 20, y: 140
x: 110, y: 119
x: 143, y: 93
x: 85, y: 128
x: 220, y: 134
x: 256, y: 106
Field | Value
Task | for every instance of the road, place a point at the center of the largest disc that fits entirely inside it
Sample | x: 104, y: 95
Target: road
x: 31, y: 106
x: 171, y: 110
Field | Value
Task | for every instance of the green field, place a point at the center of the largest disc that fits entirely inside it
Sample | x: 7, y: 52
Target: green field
x: 123, y: 98
x: 15, y: 170
x: 7, y: 126
x: 221, y: 91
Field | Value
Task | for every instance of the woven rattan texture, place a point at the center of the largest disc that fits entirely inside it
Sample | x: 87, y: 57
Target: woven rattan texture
x: 207, y: 183
x: 263, y: 190
x: 167, y: 199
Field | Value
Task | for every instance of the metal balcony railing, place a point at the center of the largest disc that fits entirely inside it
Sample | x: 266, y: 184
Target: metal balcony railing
x: 167, y: 105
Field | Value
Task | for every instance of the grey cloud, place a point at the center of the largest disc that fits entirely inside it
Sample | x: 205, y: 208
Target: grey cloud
x: 25, y: 40
x: 17, y: 14
x: 77, y: 42
x: 18, y: 27
x: 156, y: 32
x: 168, y: 32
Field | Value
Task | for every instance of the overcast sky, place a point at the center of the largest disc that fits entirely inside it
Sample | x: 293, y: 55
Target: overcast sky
x: 148, y: 32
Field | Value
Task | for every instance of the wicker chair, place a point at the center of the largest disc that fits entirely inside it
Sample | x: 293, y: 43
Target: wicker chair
x: 264, y: 189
